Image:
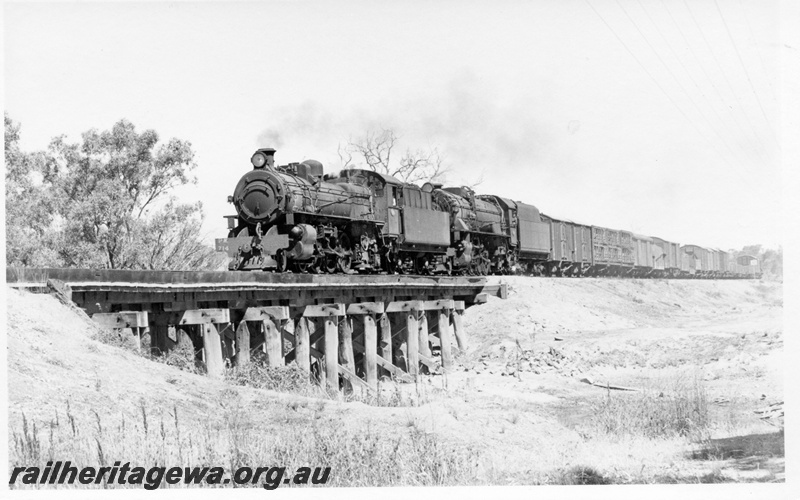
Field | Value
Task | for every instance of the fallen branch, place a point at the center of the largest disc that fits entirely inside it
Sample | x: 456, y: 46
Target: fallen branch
x: 609, y: 386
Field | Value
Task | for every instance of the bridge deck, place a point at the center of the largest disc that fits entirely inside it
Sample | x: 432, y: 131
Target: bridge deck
x: 16, y: 275
x: 104, y: 290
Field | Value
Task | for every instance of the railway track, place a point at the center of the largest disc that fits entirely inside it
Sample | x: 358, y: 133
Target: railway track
x: 346, y: 329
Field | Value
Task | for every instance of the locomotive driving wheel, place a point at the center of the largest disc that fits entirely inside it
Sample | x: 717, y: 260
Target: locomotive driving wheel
x: 479, y: 266
x: 308, y: 266
x: 344, y: 257
x: 421, y: 266
x: 389, y: 258
x: 329, y: 263
x: 473, y: 266
x: 510, y: 264
x: 484, y: 263
x: 281, y: 260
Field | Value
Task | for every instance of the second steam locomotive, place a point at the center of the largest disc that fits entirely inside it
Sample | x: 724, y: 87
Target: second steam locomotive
x: 294, y: 218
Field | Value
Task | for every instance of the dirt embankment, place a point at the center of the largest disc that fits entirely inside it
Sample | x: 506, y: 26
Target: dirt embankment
x: 720, y: 339
x: 577, y: 326
x: 516, y: 399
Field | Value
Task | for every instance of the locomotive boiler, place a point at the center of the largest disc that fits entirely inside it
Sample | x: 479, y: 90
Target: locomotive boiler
x: 290, y: 217
x: 480, y: 229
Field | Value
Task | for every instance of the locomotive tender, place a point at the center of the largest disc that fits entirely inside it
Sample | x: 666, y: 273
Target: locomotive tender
x: 295, y: 218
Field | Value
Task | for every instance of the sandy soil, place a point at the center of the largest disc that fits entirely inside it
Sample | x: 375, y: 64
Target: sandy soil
x: 536, y: 348
x: 517, y: 394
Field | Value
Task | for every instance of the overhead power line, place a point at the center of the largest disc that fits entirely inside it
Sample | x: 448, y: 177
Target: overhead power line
x: 672, y: 74
x: 754, y: 149
x: 660, y: 87
x: 744, y: 67
x: 725, y: 76
x: 763, y: 66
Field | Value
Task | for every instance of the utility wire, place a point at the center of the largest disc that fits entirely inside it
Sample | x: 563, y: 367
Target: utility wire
x: 680, y: 85
x: 763, y: 66
x: 656, y: 81
x: 637, y: 60
x: 702, y: 66
x: 750, y: 152
x: 745, y: 151
x: 725, y: 76
x: 647, y: 41
x: 746, y: 73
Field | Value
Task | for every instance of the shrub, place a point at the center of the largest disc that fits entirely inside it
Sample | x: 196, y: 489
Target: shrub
x: 182, y: 357
x: 681, y: 410
x: 290, y: 378
x: 579, y: 475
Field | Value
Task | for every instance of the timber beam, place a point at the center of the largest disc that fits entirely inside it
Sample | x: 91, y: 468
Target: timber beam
x: 349, y: 330
x: 136, y: 321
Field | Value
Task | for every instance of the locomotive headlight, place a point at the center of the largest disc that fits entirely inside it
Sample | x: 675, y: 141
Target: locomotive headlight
x: 258, y: 160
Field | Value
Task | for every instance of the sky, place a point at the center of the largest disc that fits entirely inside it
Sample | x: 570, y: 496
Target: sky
x: 662, y: 117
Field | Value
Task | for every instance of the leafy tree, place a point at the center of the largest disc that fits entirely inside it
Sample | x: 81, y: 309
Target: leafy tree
x: 754, y: 250
x: 168, y: 242
x: 772, y: 263
x: 110, y: 203
x: 29, y: 209
x: 377, y: 151
x: 771, y: 260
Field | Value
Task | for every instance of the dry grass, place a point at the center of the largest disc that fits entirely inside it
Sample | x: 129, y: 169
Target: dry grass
x: 393, y: 394
x: 115, y: 337
x: 259, y: 375
x: 183, y: 356
x: 678, y: 409
x: 240, y: 436
x: 578, y: 475
x: 281, y: 431
x: 628, y: 438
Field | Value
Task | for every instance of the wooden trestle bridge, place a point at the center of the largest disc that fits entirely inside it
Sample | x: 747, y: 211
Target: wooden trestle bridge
x: 356, y: 327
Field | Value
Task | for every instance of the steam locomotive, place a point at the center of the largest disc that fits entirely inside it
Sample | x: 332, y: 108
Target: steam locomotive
x: 295, y: 218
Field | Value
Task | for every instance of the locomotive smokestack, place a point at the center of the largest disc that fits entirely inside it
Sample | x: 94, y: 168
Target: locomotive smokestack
x: 270, y: 157
x: 264, y: 157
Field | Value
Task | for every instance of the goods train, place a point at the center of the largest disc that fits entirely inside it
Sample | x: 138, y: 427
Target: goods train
x: 295, y: 218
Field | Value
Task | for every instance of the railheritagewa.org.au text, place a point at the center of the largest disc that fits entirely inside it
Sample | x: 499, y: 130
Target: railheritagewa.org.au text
x: 153, y: 477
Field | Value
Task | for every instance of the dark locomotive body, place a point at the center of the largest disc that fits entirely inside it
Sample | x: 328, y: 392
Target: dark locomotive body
x: 289, y: 217
x: 292, y: 217
x: 418, y: 237
x: 295, y: 218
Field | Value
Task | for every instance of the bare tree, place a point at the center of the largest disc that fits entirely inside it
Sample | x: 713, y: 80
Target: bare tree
x: 376, y: 148
x: 477, y: 181
x: 345, y: 155
x: 421, y: 166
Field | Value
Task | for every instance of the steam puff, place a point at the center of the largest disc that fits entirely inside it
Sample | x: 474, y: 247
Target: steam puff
x: 303, y: 123
x: 271, y: 138
x: 464, y: 119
